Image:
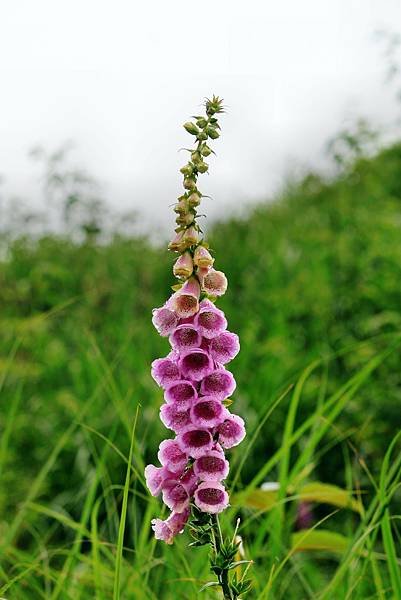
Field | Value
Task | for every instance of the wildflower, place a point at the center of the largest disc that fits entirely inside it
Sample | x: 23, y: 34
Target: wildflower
x: 193, y: 375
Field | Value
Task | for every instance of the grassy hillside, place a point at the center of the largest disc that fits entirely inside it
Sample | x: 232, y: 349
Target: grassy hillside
x: 315, y: 275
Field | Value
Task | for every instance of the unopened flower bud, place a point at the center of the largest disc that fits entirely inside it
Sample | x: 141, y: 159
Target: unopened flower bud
x: 181, y: 207
x: 202, y: 167
x: 202, y: 122
x: 185, y: 219
x: 183, y: 266
x: 212, y: 133
x: 194, y: 199
x: 196, y: 157
x: 202, y: 257
x: 190, y: 236
x: 191, y: 128
x: 202, y: 136
x: 205, y: 150
x: 189, y: 183
x: 186, y: 169
x: 177, y: 244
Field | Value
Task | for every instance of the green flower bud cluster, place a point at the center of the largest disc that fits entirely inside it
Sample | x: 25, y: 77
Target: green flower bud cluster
x: 203, y: 128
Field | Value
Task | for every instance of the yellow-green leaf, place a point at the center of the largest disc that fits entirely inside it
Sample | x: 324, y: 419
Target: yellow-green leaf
x: 257, y: 498
x: 317, y: 491
x: 319, y: 539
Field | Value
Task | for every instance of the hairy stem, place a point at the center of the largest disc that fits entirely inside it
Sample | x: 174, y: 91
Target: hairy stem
x: 223, y: 574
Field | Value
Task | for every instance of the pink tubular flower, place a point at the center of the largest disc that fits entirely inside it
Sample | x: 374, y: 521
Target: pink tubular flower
x: 194, y: 442
x: 156, y: 478
x: 165, y: 371
x: 219, y: 384
x: 164, y: 320
x: 183, y: 266
x: 224, y: 347
x: 211, y: 497
x: 182, y: 392
x: 175, y: 496
x: 203, y: 258
x: 208, y: 412
x: 185, y: 337
x: 210, y: 320
x: 168, y: 529
x: 195, y: 364
x: 174, y: 417
x: 231, y: 431
x: 212, y: 466
x: 172, y: 456
x: 185, y: 302
x: 215, y: 283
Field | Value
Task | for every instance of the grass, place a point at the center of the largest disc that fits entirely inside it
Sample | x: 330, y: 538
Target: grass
x: 314, y: 295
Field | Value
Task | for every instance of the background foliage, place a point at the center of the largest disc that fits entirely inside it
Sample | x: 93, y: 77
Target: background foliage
x: 313, y: 275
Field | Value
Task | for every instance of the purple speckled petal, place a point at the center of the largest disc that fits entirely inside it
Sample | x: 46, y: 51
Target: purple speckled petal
x: 219, y: 384
x: 165, y: 371
x: 184, y: 337
x: 231, y: 432
x: 208, y: 412
x: 211, y: 497
x: 224, y: 347
x: 194, y: 441
x: 212, y: 466
x: 196, y: 364
x: 174, y: 417
x: 181, y: 392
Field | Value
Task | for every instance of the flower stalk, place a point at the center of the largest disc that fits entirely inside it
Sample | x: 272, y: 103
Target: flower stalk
x: 196, y: 382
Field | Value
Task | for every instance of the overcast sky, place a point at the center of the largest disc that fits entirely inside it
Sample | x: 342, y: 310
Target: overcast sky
x: 120, y: 77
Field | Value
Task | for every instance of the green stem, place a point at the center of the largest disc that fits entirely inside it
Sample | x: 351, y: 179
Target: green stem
x: 223, y: 575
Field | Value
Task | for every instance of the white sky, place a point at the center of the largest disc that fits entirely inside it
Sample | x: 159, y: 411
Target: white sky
x: 120, y: 77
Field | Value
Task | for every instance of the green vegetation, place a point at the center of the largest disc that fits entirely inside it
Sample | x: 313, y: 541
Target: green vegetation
x: 315, y: 297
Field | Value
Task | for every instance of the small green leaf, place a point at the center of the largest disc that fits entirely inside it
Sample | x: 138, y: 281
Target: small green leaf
x: 208, y: 585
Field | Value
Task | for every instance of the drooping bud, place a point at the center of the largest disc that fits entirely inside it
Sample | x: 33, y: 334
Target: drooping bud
x: 190, y: 236
x: 202, y: 167
x: 212, y: 133
x: 189, y: 183
x: 185, y: 219
x: 196, y: 157
x: 194, y: 199
x: 187, y: 169
x: 205, y: 150
x: 181, y: 207
x: 202, y: 257
x: 202, y: 136
x: 215, y: 283
x: 183, y: 266
x: 177, y: 244
x: 191, y: 128
x: 201, y: 122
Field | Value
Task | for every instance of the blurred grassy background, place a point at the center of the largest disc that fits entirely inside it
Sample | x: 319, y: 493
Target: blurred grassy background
x: 311, y: 275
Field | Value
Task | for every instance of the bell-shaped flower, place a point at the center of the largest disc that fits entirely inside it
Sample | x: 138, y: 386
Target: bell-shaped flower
x: 185, y: 302
x: 219, y: 384
x: 172, y: 456
x: 211, y: 497
x: 210, y: 320
x: 208, y: 412
x: 224, y: 347
x: 231, y: 431
x: 215, y: 283
x: 194, y: 441
x: 212, y: 466
x: 165, y: 371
